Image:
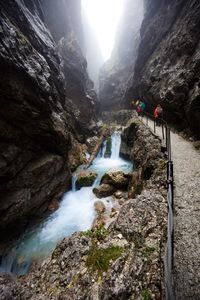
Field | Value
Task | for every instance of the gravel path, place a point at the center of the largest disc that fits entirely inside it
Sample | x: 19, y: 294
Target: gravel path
x: 186, y: 161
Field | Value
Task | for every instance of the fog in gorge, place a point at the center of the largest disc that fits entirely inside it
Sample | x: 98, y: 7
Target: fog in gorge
x: 105, y: 27
x: 118, y: 71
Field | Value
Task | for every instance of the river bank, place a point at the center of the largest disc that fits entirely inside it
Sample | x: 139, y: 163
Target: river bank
x: 123, y: 261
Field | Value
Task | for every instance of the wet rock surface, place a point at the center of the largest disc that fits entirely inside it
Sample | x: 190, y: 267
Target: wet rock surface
x: 139, y: 144
x: 44, y: 92
x: 85, y: 179
x: 104, y: 190
x: 118, y: 179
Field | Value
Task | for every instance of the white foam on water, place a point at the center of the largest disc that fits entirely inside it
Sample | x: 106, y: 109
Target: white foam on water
x: 76, y: 213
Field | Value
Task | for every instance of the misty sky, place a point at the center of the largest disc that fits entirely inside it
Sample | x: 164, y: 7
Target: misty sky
x: 103, y: 16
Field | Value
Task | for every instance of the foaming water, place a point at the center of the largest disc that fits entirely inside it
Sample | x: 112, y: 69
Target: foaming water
x: 76, y: 213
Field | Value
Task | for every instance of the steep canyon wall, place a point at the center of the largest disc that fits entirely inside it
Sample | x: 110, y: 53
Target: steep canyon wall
x: 47, y: 103
x: 166, y: 66
x: 116, y: 72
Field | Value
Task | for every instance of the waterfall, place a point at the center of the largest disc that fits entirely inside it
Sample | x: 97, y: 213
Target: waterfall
x: 76, y: 213
x: 116, y: 142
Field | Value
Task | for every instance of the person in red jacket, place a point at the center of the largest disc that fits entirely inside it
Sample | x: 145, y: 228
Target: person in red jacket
x: 158, y: 114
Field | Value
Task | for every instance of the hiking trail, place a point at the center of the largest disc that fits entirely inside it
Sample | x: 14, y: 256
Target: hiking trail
x: 186, y: 160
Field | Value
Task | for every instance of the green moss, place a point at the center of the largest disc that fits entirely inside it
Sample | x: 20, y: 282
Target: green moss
x: 85, y: 180
x: 108, y: 147
x: 104, y: 128
x: 98, y: 233
x: 161, y: 164
x: 148, y: 251
x: 146, y: 294
x: 99, y: 260
x: 72, y: 282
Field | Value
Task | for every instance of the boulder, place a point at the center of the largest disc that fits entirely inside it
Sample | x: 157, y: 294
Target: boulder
x: 135, y: 186
x: 99, y: 207
x: 118, y: 179
x: 104, y: 190
x: 85, y: 179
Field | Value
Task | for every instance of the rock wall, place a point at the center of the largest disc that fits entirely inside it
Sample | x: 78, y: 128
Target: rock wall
x: 164, y: 69
x: 117, y: 71
x: 168, y: 64
x: 46, y: 103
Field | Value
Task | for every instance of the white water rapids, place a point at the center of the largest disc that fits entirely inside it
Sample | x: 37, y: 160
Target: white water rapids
x: 76, y: 213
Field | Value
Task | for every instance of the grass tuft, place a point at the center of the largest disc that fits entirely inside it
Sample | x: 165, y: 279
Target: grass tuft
x: 99, y: 260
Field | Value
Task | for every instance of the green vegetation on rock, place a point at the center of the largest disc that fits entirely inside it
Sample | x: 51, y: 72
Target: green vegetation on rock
x: 161, y: 164
x: 148, y: 251
x: 85, y: 179
x: 98, y: 233
x: 146, y: 294
x: 99, y: 260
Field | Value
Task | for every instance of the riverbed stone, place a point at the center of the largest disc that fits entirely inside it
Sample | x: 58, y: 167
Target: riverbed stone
x: 99, y: 207
x: 85, y: 179
x: 118, y: 179
x: 54, y: 205
x: 104, y: 190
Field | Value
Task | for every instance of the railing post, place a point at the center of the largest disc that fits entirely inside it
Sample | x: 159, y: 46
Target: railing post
x: 166, y: 136
x: 163, y: 134
x: 169, y: 145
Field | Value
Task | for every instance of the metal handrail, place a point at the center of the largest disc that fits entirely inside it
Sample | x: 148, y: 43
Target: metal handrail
x: 169, y: 255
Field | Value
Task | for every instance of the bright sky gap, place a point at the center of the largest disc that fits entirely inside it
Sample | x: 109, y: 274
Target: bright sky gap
x: 104, y: 16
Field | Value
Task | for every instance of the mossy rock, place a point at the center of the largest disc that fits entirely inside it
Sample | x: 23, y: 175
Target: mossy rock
x: 117, y: 179
x: 99, y: 260
x: 85, y: 179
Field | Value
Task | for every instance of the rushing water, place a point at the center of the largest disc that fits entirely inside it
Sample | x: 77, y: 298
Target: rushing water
x: 76, y: 213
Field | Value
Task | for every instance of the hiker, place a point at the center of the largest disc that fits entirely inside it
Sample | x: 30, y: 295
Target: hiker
x: 133, y: 104
x: 158, y: 114
x: 139, y: 110
x: 143, y: 106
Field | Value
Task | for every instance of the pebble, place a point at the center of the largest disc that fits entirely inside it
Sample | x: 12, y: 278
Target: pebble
x: 120, y: 236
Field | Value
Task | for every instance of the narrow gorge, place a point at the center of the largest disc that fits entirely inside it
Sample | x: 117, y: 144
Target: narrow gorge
x: 85, y: 209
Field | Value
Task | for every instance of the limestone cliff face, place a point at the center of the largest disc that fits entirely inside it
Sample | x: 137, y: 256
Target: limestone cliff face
x: 45, y: 103
x: 168, y: 64
x: 116, y: 72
